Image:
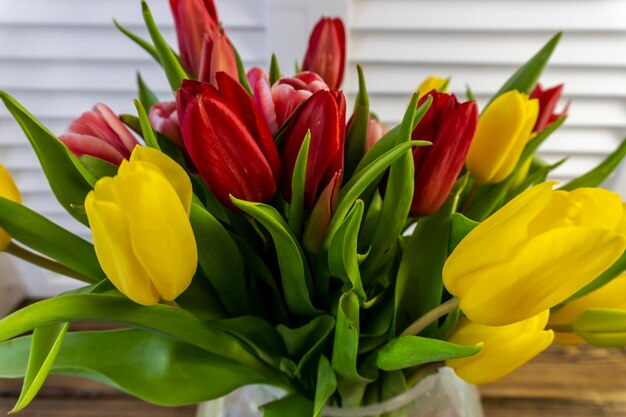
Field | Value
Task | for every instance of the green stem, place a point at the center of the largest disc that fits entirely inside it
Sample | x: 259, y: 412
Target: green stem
x: 433, y: 315
x: 45, y: 263
x: 422, y: 372
x: 470, y: 199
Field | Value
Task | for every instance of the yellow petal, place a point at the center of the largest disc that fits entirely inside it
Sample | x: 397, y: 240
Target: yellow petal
x: 160, y: 232
x: 545, y: 271
x: 504, y: 349
x: 496, y: 239
x: 111, y: 239
x: 432, y: 83
x: 174, y: 173
x: 8, y: 190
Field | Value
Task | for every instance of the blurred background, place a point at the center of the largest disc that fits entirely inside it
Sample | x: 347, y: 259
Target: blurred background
x: 60, y: 57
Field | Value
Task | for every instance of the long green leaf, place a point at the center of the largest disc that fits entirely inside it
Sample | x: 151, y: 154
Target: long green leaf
x: 409, y: 351
x: 325, y: 386
x: 221, y: 261
x: 293, y: 268
x: 149, y: 366
x: 144, y: 44
x: 597, y: 175
x: 49, y: 239
x: 146, y: 95
x: 293, y: 404
x: 298, y: 182
x: 356, y: 136
x: 146, y: 128
x: 98, y: 167
x: 274, y: 70
x: 69, y: 180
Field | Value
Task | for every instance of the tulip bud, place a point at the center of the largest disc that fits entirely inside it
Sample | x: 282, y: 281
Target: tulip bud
x: 140, y: 225
x: 432, y: 83
x: 100, y: 133
x: 375, y: 130
x: 289, y: 93
x: 504, y: 349
x: 324, y: 115
x: 326, y: 53
x: 194, y: 20
x: 610, y: 296
x: 602, y: 327
x: 535, y: 252
x: 218, y: 55
x: 503, y: 130
x: 227, y: 140
x: 450, y: 126
x: 548, y: 99
x: 164, y: 119
x: 8, y: 190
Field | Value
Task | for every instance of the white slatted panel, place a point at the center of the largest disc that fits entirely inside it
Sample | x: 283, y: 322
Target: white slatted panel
x: 399, y: 42
x: 60, y: 57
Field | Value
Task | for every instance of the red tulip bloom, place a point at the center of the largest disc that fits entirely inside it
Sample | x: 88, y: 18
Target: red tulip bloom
x: 227, y: 140
x: 450, y: 126
x: 164, y: 119
x: 194, y: 20
x: 324, y: 114
x: 548, y: 99
x: 326, y: 53
x: 218, y: 55
x: 100, y: 133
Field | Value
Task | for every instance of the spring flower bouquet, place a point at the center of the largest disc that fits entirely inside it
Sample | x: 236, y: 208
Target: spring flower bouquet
x: 246, y: 231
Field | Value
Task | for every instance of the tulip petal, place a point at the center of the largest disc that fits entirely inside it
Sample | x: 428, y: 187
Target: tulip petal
x: 174, y: 173
x: 111, y: 237
x: 545, y: 271
x: 91, y: 145
x: 160, y: 233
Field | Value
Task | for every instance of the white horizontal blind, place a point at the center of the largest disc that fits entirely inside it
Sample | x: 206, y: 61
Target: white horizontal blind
x: 60, y: 57
x: 482, y: 42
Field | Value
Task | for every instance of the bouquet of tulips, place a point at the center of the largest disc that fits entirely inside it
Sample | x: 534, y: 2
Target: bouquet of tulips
x: 245, y: 232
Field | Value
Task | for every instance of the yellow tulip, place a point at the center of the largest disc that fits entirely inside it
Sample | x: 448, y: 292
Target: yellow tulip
x: 432, y: 83
x: 140, y: 225
x: 503, y: 130
x: 8, y: 190
x: 610, y: 296
x: 505, y: 348
x: 535, y: 252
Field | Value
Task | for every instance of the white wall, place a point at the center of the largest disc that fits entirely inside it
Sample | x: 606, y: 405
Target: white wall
x: 59, y: 57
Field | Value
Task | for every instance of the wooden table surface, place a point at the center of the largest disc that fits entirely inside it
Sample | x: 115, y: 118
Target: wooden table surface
x: 572, y: 382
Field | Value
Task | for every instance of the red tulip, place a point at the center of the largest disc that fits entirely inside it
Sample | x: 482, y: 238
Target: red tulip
x: 164, y: 119
x: 548, y: 99
x: 450, y: 126
x: 227, y: 140
x: 100, y: 133
x: 194, y: 20
x: 326, y: 53
x: 324, y: 115
x: 218, y: 55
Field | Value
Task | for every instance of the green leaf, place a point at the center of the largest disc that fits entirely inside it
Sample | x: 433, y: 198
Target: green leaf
x: 182, y: 370
x: 241, y: 70
x: 469, y: 93
x: 356, y: 136
x: 146, y: 95
x: 173, y: 69
x: 171, y: 321
x: 144, y: 44
x: 299, y: 341
x: 343, y: 256
x: 460, y: 228
x: 98, y: 167
x: 597, y: 175
x: 396, y: 203
x: 293, y: 269
x: 69, y: 179
x: 409, y: 351
x: 419, y: 285
x: 292, y: 404
x: 601, y: 327
x: 535, y: 176
x: 221, y: 261
x: 296, y: 207
x: 274, y: 70
x: 45, y: 345
x: 201, y: 299
x: 49, y: 239
x: 325, y: 386
x: 146, y: 128
x: 525, y: 78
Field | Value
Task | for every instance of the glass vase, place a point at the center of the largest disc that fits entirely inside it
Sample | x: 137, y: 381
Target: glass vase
x: 441, y: 394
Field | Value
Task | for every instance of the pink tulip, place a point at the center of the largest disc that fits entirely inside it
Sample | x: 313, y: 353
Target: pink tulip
x: 164, y: 119
x: 375, y: 131
x: 100, y: 133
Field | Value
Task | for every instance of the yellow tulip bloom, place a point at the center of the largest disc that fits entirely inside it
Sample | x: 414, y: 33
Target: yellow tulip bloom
x: 505, y: 348
x: 8, y: 190
x: 610, y: 296
x: 140, y: 225
x: 503, y: 130
x: 535, y: 252
x: 432, y: 83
